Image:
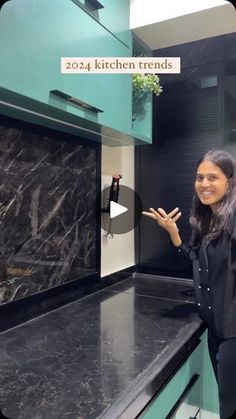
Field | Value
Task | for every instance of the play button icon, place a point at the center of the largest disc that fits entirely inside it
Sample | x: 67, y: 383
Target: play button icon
x: 116, y: 209
x: 121, y: 216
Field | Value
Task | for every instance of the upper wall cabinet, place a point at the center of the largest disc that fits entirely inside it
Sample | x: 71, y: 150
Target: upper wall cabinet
x: 35, y: 34
x: 112, y: 14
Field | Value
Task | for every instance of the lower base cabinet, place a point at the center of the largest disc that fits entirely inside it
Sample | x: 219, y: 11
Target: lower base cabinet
x: 191, y: 393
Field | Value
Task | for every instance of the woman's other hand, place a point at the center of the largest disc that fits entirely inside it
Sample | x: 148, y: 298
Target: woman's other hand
x: 166, y: 221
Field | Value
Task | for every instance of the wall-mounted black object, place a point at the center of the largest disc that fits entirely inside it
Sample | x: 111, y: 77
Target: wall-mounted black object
x: 75, y: 101
x: 114, y: 191
x: 2, y: 2
x: 113, y: 196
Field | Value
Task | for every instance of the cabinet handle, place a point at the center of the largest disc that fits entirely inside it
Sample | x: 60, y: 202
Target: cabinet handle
x: 75, y: 101
x: 96, y: 5
x: 183, y: 396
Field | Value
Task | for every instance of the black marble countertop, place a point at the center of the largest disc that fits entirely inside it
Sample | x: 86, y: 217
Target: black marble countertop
x: 103, y: 356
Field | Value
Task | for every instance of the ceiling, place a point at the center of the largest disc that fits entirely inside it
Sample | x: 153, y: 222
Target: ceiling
x: 189, y: 27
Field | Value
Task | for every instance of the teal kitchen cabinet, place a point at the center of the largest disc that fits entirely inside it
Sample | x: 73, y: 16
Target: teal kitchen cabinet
x: 112, y: 14
x: 110, y: 93
x: 141, y: 101
x: 142, y: 117
x: 190, y: 393
x: 35, y: 34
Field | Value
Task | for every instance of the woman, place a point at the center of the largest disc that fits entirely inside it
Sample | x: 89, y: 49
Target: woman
x: 212, y: 250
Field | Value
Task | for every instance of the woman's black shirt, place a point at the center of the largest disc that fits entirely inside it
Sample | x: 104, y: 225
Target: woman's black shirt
x: 214, y: 272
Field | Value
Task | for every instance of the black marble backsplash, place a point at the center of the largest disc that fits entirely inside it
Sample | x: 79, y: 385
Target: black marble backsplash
x: 48, y: 189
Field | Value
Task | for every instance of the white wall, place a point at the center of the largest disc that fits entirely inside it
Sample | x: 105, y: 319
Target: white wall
x: 161, y: 26
x: 117, y: 253
x: 145, y: 12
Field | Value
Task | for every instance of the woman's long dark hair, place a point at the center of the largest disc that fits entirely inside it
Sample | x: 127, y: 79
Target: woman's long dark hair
x: 203, y: 221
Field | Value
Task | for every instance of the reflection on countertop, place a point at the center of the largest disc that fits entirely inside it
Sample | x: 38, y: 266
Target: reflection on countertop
x: 99, y: 356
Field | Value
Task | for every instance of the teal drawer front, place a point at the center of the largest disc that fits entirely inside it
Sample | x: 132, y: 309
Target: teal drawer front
x: 34, y: 35
x: 203, y: 396
x: 162, y: 405
x: 188, y: 405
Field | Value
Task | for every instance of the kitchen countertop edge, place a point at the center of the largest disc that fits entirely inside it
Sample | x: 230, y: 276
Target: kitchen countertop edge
x: 134, y: 398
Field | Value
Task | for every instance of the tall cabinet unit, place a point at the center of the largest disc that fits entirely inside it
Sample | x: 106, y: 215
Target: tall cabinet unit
x: 194, y: 113
x: 229, y: 123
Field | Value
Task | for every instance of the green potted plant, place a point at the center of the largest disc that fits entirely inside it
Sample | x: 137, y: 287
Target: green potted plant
x: 144, y: 85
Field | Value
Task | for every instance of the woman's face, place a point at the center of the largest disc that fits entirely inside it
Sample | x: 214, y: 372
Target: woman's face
x: 211, y: 184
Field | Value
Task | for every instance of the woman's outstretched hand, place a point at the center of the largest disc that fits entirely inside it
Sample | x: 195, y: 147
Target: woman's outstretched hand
x: 166, y: 221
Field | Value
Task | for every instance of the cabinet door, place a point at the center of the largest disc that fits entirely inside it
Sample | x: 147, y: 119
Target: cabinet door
x: 141, y: 101
x: 31, y: 34
x: 142, y: 116
x: 166, y: 403
x: 188, y: 405
x: 112, y: 14
x: 109, y: 92
x: 34, y: 35
x: 115, y: 16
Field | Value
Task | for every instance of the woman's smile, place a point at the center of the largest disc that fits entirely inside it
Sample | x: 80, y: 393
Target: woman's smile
x: 206, y: 194
x: 211, y: 184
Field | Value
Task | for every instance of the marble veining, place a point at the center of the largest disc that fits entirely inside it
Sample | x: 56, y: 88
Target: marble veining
x: 47, y: 201
x: 77, y: 361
